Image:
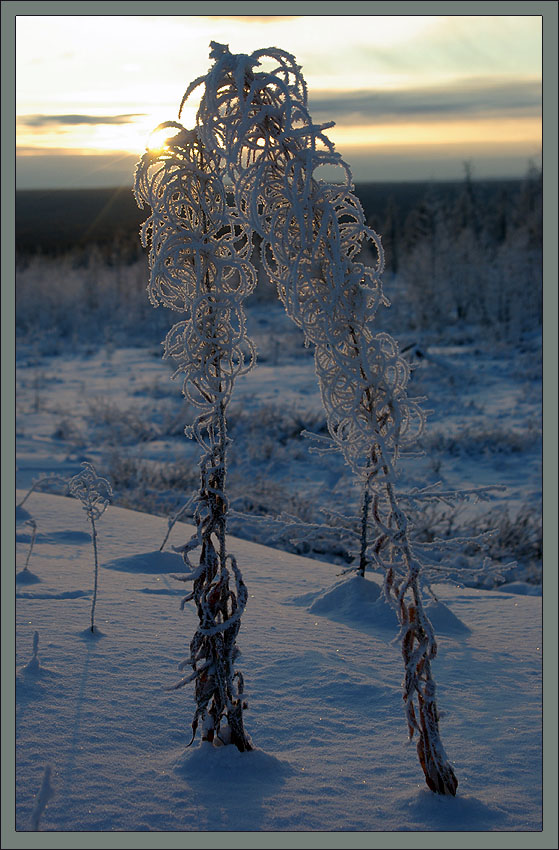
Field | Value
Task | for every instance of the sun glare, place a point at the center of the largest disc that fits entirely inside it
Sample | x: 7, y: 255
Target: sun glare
x: 132, y: 136
x: 122, y: 96
x: 158, y: 139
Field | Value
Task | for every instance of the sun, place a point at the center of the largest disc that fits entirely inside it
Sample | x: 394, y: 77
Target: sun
x: 157, y: 137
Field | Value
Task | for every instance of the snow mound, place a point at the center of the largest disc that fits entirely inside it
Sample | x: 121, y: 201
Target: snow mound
x: 522, y: 588
x: 347, y: 593
x: 359, y: 602
x: 32, y: 679
x: 226, y: 764
x: 148, y: 562
x: 445, y: 813
x: 64, y: 594
x: 88, y: 635
x: 443, y: 619
x: 27, y: 577
x: 34, y: 670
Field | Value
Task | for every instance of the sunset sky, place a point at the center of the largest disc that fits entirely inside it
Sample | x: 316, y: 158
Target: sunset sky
x: 413, y: 98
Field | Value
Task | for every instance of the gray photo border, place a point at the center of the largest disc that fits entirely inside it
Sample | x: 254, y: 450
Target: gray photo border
x: 547, y: 838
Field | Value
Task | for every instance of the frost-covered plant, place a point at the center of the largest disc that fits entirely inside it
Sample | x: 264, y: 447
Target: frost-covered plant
x: 32, y: 523
x: 95, y: 494
x: 199, y: 266
x: 354, y: 538
x: 256, y: 122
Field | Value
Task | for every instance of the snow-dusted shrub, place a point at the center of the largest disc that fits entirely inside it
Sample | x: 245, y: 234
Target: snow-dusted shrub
x: 57, y: 295
x: 95, y: 494
x: 151, y: 486
x: 474, y: 262
x: 114, y: 426
x: 516, y: 537
x: 200, y: 266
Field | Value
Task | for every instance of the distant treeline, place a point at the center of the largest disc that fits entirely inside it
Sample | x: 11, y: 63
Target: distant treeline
x: 466, y: 254
x: 55, y: 222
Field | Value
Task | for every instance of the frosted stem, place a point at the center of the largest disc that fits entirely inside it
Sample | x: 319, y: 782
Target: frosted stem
x: 94, y: 539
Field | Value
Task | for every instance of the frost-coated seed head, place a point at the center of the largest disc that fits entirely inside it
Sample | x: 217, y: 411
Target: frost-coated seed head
x: 94, y: 492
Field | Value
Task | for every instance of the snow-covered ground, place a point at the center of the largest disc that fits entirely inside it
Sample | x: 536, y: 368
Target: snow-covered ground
x: 323, y: 677
x: 320, y: 654
x: 118, y: 408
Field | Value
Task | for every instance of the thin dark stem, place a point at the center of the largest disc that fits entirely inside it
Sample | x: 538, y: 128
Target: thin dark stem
x: 364, y: 528
x: 33, y: 535
x: 172, y: 522
x: 94, y: 539
x: 222, y: 517
x: 48, y: 479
